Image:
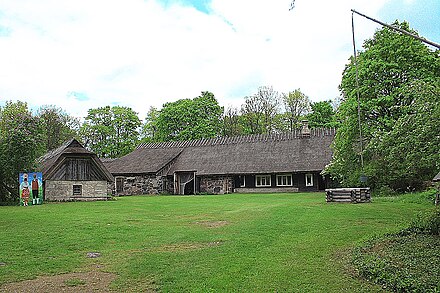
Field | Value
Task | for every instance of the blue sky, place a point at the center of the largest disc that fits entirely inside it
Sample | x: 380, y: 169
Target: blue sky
x: 140, y: 53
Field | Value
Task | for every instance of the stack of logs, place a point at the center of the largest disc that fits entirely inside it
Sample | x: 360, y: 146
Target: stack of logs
x: 348, y: 195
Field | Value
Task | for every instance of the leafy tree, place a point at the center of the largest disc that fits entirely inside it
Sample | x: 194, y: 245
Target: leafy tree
x: 322, y: 115
x: 232, y: 122
x: 149, y: 128
x: 252, y: 113
x: 296, y: 105
x: 20, y: 144
x: 111, y: 132
x: 259, y: 111
x: 188, y: 119
x: 389, y: 70
x: 409, y: 154
x: 57, y: 126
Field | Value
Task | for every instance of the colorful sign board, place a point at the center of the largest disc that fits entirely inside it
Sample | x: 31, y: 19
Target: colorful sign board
x: 30, y: 188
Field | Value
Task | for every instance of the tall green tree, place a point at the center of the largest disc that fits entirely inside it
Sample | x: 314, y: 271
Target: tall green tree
x: 259, y: 111
x: 296, y: 105
x: 409, y: 154
x: 21, y: 143
x: 322, y: 115
x: 149, y: 128
x: 189, y: 119
x: 56, y: 126
x: 111, y: 132
x: 232, y: 125
x: 389, y: 67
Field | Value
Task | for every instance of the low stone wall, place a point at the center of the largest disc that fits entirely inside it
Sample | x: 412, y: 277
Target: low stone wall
x: 216, y: 184
x: 138, y: 185
x: 265, y: 190
x: 63, y: 190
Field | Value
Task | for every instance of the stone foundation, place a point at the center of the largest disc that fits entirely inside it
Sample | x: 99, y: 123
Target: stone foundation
x: 265, y: 189
x: 63, y: 190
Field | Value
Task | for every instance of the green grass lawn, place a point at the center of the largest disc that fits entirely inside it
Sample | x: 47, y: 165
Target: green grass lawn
x: 227, y: 243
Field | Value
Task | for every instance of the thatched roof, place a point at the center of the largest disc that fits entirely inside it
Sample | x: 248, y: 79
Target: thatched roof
x: 437, y: 178
x: 274, y: 153
x: 72, y: 148
x: 142, y: 161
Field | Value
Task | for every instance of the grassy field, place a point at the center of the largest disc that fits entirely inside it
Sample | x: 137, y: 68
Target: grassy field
x: 227, y: 243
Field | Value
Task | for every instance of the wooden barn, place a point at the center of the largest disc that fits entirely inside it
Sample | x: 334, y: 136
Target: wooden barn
x: 286, y: 162
x: 71, y: 172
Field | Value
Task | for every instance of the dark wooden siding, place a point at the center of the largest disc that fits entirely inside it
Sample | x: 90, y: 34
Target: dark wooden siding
x: 82, y: 169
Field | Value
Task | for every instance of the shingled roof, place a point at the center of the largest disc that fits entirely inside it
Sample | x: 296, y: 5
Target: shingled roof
x: 270, y: 153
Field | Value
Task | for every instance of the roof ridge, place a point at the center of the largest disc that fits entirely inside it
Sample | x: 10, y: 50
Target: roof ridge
x: 238, y: 139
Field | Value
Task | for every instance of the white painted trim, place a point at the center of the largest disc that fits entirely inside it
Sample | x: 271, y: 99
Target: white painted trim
x: 311, y: 179
x: 287, y: 175
x: 244, y: 180
x: 268, y: 184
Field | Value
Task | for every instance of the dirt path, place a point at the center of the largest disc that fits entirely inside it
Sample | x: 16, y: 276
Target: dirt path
x: 73, y: 282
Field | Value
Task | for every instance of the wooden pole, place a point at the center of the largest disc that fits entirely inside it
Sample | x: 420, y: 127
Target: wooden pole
x: 399, y: 30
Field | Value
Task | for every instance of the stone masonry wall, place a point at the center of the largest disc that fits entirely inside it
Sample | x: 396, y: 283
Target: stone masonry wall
x: 219, y: 184
x: 138, y: 185
x: 63, y: 190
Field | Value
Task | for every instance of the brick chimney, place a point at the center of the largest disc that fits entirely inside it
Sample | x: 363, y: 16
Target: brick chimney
x: 305, y: 130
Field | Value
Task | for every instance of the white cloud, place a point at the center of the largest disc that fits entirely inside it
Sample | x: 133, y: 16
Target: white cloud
x: 141, y: 54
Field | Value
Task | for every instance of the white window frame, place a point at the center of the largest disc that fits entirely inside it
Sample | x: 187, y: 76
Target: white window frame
x: 268, y: 183
x: 309, y: 182
x: 244, y: 181
x: 287, y: 176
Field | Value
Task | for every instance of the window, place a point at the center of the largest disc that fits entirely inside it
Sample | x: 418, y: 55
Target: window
x: 262, y: 180
x: 309, y: 179
x: 242, y: 179
x: 77, y: 189
x: 284, y: 180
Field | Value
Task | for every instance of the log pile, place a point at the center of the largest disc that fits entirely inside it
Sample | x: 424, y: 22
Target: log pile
x: 348, y: 195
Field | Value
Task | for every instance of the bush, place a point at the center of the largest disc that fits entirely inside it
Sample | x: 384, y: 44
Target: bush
x: 406, y: 261
x: 427, y: 223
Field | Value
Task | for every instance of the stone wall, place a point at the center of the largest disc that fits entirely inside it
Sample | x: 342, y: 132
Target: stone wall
x: 63, y: 190
x: 219, y: 184
x: 138, y: 185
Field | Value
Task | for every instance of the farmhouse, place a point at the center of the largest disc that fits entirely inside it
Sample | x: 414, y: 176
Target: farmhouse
x: 71, y: 172
x: 287, y: 162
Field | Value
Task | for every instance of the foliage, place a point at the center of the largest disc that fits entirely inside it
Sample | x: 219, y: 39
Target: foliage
x: 297, y: 105
x: 188, y: 119
x: 259, y: 111
x: 270, y: 243
x: 149, y: 128
x: 410, y: 151
x: 405, y: 261
x: 57, y: 126
x: 111, y: 132
x: 232, y: 125
x: 426, y: 223
x: 21, y: 143
x: 322, y: 115
x: 398, y: 75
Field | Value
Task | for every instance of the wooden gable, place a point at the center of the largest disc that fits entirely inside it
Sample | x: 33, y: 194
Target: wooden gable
x: 81, y: 169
